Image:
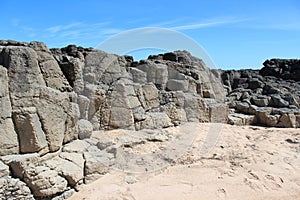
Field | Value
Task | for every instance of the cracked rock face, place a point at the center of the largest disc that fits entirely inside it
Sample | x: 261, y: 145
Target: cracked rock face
x: 269, y: 97
x: 53, y: 100
x: 43, y: 94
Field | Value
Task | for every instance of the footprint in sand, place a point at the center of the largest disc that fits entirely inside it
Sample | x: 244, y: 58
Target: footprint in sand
x: 274, y: 182
x: 221, y: 192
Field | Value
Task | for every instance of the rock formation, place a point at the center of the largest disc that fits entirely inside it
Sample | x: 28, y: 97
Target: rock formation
x: 268, y: 97
x: 51, y: 101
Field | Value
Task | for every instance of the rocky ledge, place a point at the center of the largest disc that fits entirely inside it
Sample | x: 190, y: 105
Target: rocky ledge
x: 52, y: 101
x: 267, y: 97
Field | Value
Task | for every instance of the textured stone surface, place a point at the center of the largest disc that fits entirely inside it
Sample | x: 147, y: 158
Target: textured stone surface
x: 31, y: 135
x: 52, y: 100
x: 68, y: 165
x: 4, y: 170
x: 52, y: 110
x: 85, y: 129
x: 44, y: 182
x: 8, y: 137
x: 73, y: 114
x: 76, y: 146
x: 283, y: 68
x: 274, y: 87
x: 96, y: 165
x: 12, y: 188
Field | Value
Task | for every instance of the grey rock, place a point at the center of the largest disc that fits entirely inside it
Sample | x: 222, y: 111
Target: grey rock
x: 4, y: 170
x: 178, y: 85
x: 261, y: 101
x: 44, y: 182
x: 154, y: 120
x: 68, y: 165
x: 284, y: 68
x: 242, y: 107
x: 287, y: 121
x: 255, y: 83
x: 19, y: 163
x: 156, y: 73
x: 138, y: 75
x: 267, y: 87
x: 151, y: 96
x: 72, y: 68
x: 65, y: 195
x: 104, y: 142
x: 52, y: 108
x: 297, y: 121
x: 53, y: 76
x: 277, y: 101
x: 76, y: 146
x: 83, y: 103
x: 270, y: 89
x: 177, y: 115
x: 85, y: 129
x: 264, y: 117
x: 195, y: 108
x: 71, y: 132
x: 96, y: 165
x: 8, y: 138
x: 31, y: 135
x: 13, y: 188
x: 218, y: 113
x: 240, y: 119
x: 292, y: 99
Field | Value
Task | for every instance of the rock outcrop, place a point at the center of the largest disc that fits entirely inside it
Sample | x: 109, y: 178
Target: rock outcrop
x: 55, y: 105
x: 268, y: 97
x: 288, y: 69
x: 52, y: 101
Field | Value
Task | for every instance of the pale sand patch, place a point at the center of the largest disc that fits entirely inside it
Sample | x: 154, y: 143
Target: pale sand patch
x: 253, y: 163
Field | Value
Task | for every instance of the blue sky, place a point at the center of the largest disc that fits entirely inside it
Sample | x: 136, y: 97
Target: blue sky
x: 236, y: 34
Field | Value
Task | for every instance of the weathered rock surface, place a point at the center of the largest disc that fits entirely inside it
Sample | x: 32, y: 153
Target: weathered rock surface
x: 12, y: 188
x: 8, y: 136
x: 288, y: 69
x: 53, y: 102
x: 269, y: 97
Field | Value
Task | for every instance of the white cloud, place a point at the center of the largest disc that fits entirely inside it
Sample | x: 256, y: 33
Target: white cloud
x: 207, y: 23
x: 80, y: 29
x: 55, y: 29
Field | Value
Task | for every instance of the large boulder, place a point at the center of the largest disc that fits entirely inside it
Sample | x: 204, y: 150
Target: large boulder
x: 68, y: 165
x: 85, y: 129
x: 31, y: 87
x: 44, y: 182
x: 8, y: 137
x: 52, y: 108
x: 31, y: 135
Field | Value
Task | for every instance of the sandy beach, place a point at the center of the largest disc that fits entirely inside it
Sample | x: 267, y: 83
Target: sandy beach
x: 247, y: 162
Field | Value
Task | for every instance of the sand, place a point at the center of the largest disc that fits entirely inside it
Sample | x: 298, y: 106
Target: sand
x: 228, y: 162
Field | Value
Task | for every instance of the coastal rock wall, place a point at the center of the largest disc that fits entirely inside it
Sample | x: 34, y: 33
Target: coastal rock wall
x: 51, y: 101
x: 267, y: 97
x: 45, y: 92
